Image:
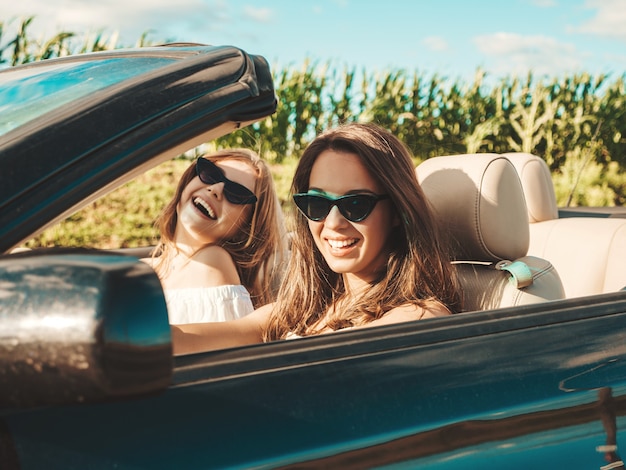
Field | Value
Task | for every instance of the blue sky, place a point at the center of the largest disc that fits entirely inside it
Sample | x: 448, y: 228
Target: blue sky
x: 451, y: 38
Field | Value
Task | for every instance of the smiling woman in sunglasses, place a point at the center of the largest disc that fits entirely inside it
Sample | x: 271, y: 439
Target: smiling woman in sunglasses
x: 366, y: 249
x: 222, y: 239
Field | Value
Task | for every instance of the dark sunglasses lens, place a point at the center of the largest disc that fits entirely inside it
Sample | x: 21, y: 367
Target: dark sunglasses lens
x: 356, y: 208
x: 314, y: 207
x: 210, y: 173
x: 318, y: 207
x: 238, y: 194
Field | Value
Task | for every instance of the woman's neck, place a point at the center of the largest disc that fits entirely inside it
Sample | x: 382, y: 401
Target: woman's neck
x: 187, y: 242
x: 354, y: 286
x: 182, y: 250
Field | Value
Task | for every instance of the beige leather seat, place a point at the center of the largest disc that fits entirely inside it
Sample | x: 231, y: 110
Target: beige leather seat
x: 480, y: 201
x: 588, y: 252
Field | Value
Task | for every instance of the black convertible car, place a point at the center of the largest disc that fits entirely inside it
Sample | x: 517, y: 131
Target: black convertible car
x: 531, y: 375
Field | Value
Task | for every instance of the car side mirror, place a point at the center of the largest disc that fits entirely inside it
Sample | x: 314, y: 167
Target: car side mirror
x: 80, y: 326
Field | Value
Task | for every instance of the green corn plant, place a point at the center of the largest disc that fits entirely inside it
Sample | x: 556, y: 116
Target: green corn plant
x: 482, y: 135
x: 58, y: 46
x: 386, y: 99
x: 20, y: 44
x: 99, y: 43
x: 2, y: 48
x: 575, y: 117
x: 612, y: 111
x: 581, y: 181
x: 531, y: 112
x: 341, y: 100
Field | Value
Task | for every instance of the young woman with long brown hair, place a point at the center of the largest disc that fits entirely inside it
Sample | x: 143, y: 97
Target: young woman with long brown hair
x: 365, y: 250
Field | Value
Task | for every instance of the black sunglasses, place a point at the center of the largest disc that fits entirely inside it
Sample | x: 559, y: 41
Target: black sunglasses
x: 354, y: 207
x: 210, y: 173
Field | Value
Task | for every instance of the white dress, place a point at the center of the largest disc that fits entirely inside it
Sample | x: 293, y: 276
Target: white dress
x: 207, y: 304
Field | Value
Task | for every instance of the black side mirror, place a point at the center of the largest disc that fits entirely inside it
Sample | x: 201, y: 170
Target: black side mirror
x: 80, y: 326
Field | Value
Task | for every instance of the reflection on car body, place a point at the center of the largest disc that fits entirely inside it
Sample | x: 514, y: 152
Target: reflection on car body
x: 537, y: 385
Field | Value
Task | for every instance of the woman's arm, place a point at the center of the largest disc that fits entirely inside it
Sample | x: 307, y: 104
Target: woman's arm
x: 198, y: 337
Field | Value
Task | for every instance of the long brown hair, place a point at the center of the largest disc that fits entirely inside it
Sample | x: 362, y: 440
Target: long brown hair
x: 418, y: 270
x: 257, y: 247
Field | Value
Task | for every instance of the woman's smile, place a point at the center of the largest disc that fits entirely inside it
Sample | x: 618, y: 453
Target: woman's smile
x: 341, y: 246
x: 204, y: 208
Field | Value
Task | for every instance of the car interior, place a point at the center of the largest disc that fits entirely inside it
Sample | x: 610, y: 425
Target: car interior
x: 479, y: 199
x: 587, y: 252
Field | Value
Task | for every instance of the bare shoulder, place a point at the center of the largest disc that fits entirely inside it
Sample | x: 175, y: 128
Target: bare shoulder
x: 410, y: 312
x: 213, y: 255
x: 216, y: 262
x: 435, y: 310
x: 210, y: 266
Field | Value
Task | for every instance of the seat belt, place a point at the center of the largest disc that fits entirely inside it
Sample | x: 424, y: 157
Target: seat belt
x: 520, y: 272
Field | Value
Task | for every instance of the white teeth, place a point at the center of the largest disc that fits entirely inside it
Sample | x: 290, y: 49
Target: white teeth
x: 201, y: 202
x: 341, y: 243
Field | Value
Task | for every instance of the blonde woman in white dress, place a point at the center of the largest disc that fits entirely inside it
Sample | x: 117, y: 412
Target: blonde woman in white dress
x: 222, y: 239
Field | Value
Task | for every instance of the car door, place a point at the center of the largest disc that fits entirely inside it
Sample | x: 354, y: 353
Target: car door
x: 519, y: 387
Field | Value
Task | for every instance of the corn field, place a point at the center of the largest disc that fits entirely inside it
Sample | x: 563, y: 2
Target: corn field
x: 576, y: 123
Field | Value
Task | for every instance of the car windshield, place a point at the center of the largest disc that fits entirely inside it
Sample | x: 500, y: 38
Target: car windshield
x: 40, y: 92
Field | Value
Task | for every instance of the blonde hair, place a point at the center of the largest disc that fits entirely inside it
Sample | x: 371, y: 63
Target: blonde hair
x: 257, y: 248
x: 418, y: 269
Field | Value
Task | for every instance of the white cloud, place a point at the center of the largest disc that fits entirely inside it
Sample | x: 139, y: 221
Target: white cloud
x: 163, y: 19
x: 435, y: 43
x: 514, y: 54
x: 263, y: 15
x: 544, y: 3
x: 609, y: 19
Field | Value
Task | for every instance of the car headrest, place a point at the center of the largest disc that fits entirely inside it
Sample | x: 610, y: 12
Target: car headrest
x: 480, y: 202
x: 537, y: 185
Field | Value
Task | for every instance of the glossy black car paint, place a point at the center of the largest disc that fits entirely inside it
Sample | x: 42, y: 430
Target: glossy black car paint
x: 530, y: 387
x: 80, y: 326
x: 516, y: 388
